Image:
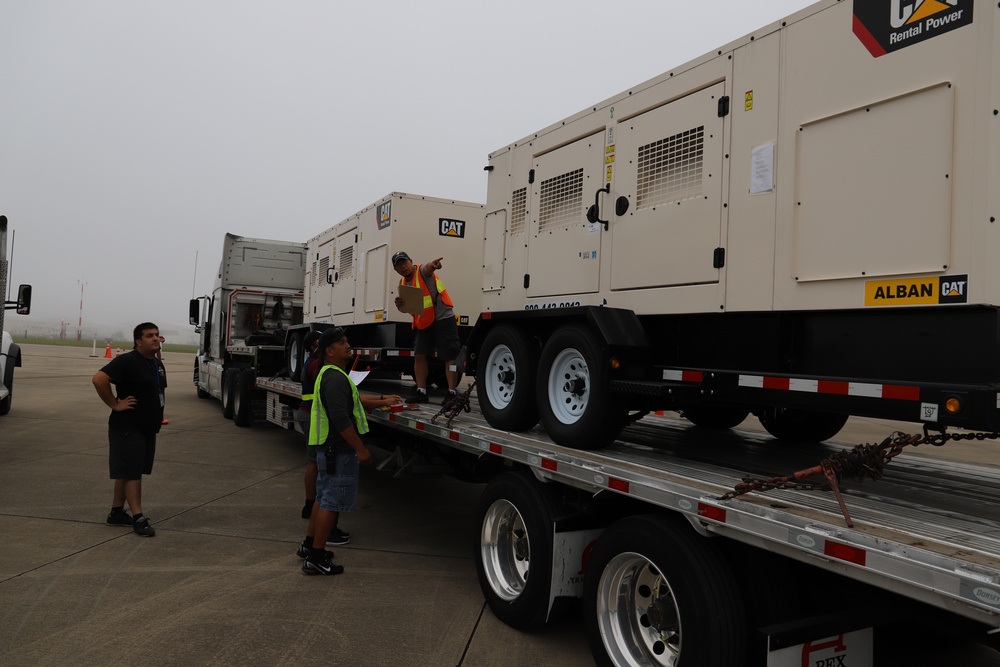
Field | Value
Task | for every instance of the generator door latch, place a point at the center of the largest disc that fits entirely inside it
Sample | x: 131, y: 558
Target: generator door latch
x: 594, y: 212
x: 723, y: 106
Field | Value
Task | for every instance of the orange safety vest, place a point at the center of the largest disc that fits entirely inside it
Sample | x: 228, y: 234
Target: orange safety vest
x: 426, y: 319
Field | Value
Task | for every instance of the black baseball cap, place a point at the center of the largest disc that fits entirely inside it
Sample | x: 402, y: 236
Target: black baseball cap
x: 329, y: 337
x: 399, y: 257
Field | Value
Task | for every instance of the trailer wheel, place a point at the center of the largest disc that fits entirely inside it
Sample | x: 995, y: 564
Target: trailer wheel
x: 515, y: 541
x: 295, y: 356
x: 242, y: 401
x: 793, y: 424
x: 655, y: 591
x: 228, y: 377
x: 505, y: 379
x: 574, y: 400
x: 8, y: 381
x: 718, y: 418
x: 201, y: 392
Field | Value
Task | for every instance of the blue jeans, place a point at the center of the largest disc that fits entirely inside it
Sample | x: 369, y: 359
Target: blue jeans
x: 337, y: 483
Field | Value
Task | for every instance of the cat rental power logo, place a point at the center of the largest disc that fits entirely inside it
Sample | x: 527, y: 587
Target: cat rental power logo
x: 931, y: 290
x: 884, y: 26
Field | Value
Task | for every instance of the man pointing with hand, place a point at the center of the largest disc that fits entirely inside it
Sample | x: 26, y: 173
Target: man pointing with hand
x: 435, y: 325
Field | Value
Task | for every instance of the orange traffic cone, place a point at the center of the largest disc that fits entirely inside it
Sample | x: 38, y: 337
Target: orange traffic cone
x: 107, y: 351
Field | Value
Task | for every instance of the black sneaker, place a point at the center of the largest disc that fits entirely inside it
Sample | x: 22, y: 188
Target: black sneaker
x: 418, y: 397
x: 306, y: 548
x: 321, y: 564
x: 142, y: 527
x: 307, y: 509
x: 122, y: 518
x: 338, y: 538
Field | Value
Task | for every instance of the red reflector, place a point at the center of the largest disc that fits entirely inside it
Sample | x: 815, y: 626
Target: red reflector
x: 845, y: 552
x: 549, y: 464
x: 453, y: 436
x: 712, y: 512
x: 900, y: 393
x: 392, y: 417
x: 486, y: 316
x: 775, y: 383
x: 495, y: 448
x: 618, y: 485
x: 831, y: 387
x: 692, y: 376
x: 420, y: 426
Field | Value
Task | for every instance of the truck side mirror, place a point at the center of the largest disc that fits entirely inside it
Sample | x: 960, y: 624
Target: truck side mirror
x: 194, y: 312
x: 23, y: 299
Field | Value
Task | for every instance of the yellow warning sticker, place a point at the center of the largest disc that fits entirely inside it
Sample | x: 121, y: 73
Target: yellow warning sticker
x: 748, y: 100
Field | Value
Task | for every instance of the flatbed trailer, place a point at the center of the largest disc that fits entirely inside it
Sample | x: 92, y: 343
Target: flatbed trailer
x: 929, y: 531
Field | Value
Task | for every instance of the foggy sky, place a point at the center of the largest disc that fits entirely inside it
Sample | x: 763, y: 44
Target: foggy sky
x: 135, y: 134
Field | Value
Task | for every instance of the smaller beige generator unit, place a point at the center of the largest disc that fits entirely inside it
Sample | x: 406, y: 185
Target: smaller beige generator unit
x: 802, y: 224
x: 350, y: 281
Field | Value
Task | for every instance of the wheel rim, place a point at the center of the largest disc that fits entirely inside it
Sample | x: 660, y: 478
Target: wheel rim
x: 569, y: 386
x: 293, y: 355
x: 505, y: 550
x: 637, y: 614
x: 500, y: 377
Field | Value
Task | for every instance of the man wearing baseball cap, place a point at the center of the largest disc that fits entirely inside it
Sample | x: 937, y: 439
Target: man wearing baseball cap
x: 337, y: 422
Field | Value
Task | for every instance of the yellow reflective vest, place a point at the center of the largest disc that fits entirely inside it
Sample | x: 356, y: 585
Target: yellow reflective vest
x: 321, y: 422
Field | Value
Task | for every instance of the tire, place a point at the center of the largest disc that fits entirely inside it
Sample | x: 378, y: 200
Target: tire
x: 574, y: 400
x: 201, y: 392
x: 505, y: 380
x: 295, y: 356
x: 228, y: 382
x: 716, y: 418
x: 8, y: 380
x: 243, y: 397
x: 655, y: 593
x: 801, y: 425
x: 515, y: 537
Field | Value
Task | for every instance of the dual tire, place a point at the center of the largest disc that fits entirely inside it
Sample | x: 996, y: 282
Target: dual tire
x: 565, y: 385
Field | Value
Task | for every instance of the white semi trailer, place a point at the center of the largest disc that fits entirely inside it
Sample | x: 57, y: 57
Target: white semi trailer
x: 10, y: 352
x: 801, y: 224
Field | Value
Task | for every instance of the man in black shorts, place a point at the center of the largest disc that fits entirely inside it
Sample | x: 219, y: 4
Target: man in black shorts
x: 136, y: 415
x: 436, y: 327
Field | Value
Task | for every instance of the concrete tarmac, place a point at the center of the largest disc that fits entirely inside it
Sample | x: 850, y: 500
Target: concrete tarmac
x: 220, y: 584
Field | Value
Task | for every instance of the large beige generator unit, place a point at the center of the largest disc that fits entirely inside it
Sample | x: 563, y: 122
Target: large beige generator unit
x: 350, y: 281
x: 801, y: 224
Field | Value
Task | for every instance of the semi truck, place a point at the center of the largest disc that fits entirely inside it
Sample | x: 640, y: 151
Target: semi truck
x: 10, y: 352
x: 801, y: 225
x: 243, y: 323
x: 341, y: 276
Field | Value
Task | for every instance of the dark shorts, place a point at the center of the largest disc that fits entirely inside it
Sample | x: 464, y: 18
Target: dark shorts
x: 337, y: 483
x: 130, y: 455
x: 440, y: 337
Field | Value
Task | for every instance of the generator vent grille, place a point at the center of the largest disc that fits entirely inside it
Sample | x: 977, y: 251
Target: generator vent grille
x: 518, y: 204
x: 670, y: 169
x: 561, y: 201
x: 346, y: 268
x: 319, y: 277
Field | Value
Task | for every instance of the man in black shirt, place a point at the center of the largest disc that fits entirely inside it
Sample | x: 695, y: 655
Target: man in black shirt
x: 136, y: 415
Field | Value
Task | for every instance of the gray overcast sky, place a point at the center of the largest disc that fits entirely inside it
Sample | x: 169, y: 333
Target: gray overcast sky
x: 134, y: 133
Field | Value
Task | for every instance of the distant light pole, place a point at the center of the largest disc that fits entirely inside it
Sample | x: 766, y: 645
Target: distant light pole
x: 79, y: 326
